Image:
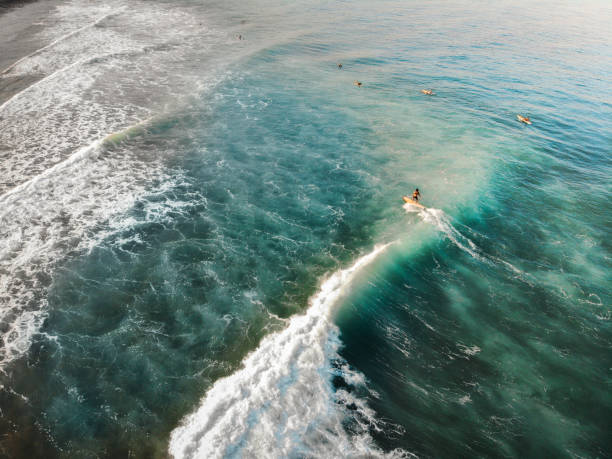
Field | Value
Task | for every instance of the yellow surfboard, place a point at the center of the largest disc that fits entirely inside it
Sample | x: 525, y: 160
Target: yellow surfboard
x: 523, y: 119
x: 411, y: 201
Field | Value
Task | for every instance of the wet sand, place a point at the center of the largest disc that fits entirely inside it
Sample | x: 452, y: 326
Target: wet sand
x: 20, y: 24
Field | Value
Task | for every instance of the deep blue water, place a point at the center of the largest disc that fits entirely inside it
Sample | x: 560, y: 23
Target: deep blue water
x: 214, y: 281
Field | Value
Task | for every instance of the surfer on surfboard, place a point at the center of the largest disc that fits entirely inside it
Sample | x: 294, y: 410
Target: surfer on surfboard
x: 414, y: 200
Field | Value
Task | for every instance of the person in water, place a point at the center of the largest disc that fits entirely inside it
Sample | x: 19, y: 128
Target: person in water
x: 415, y: 195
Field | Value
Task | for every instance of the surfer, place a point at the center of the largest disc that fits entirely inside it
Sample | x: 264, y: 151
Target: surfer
x: 358, y: 83
x: 339, y: 66
x: 428, y: 92
x: 414, y: 199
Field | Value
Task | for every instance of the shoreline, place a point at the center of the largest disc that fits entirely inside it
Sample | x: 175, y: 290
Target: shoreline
x: 20, y: 24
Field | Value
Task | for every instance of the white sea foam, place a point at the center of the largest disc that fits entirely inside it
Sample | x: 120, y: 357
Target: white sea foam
x: 52, y: 215
x: 440, y: 220
x: 281, y: 403
x: 96, y: 79
x: 60, y: 39
x: 469, y: 350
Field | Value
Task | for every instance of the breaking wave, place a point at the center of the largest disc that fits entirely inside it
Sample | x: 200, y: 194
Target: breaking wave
x: 282, y: 402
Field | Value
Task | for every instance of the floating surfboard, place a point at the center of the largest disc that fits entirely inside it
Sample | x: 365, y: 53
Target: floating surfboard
x: 412, y: 202
x: 522, y: 119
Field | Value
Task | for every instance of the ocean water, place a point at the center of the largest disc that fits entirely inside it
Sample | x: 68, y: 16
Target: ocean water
x: 204, y: 251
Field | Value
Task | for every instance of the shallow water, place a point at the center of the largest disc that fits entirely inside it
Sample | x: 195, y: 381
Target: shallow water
x: 204, y: 250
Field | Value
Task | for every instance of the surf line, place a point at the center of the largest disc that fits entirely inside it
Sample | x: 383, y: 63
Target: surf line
x: 280, y: 393
x: 42, y: 80
x: 80, y: 154
x: 62, y: 38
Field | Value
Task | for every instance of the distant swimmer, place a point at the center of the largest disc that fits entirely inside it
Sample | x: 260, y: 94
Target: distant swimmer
x: 427, y: 92
x: 523, y: 119
x: 339, y: 66
x: 357, y: 83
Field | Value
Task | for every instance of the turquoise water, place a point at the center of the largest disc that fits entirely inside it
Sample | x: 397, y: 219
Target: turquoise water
x: 255, y: 288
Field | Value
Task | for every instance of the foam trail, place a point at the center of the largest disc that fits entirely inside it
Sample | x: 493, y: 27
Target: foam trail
x: 281, y: 403
x: 440, y: 220
x: 60, y: 39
